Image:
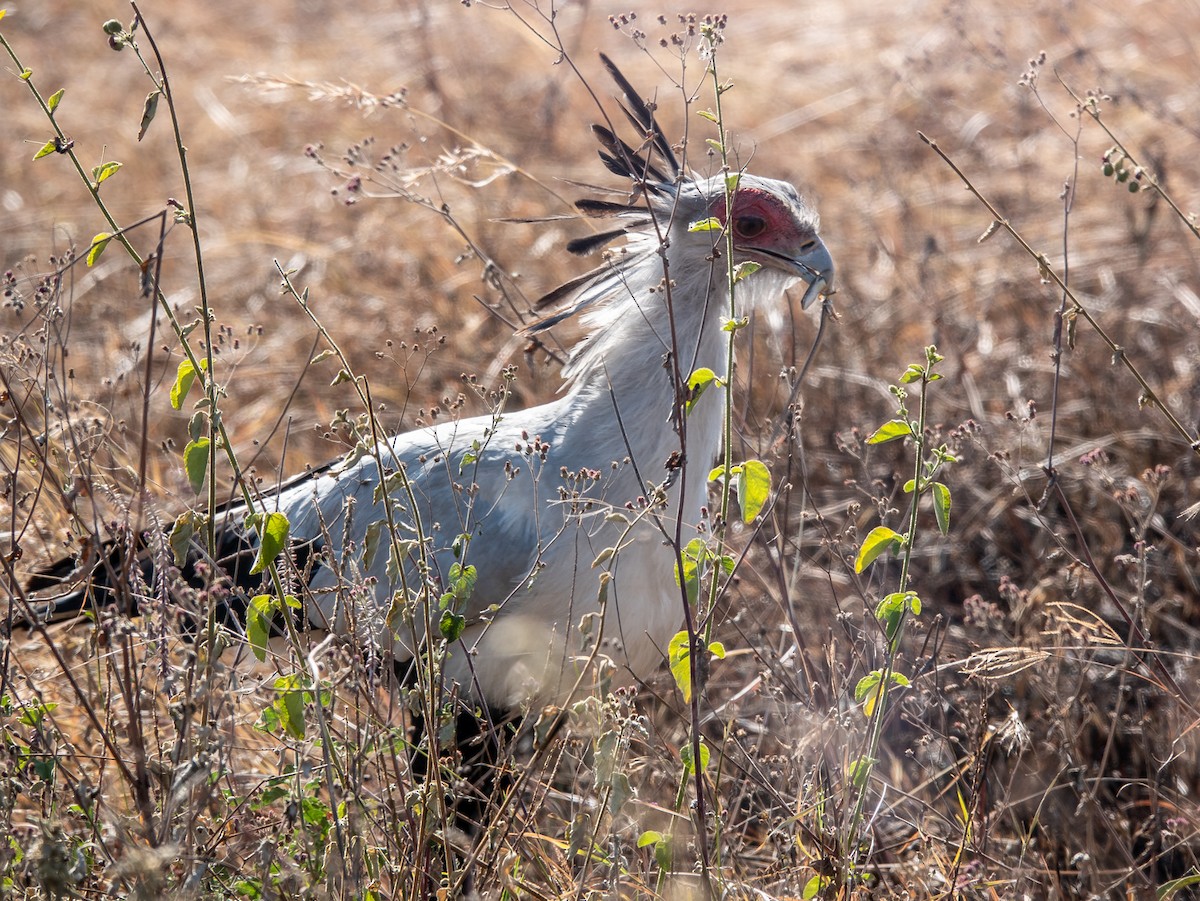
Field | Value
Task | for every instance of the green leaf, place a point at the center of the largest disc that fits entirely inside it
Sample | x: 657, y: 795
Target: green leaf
x: 272, y: 538
x: 878, y: 540
x: 26, y: 74
x: 1169, y: 889
x: 259, y: 613
x: 289, y: 706
x: 710, y: 224
x: 371, y: 542
x: 649, y: 837
x: 731, y: 181
x: 451, y: 625
x: 890, y: 431
x: 685, y: 754
x: 694, y: 556
x: 814, y: 887
x: 104, y: 172
x: 717, y: 649
x: 55, y: 99
x: 715, y: 145
x: 619, y: 792
x: 186, y: 525
x: 867, y: 683
x: 699, y: 382
x: 706, y: 114
x: 753, y: 488
x: 195, y: 462
x: 914, y: 373
x: 48, y: 148
x: 872, y: 696
x: 679, y: 656
x: 149, y: 108
x: 941, y: 507
x: 860, y: 770
x: 185, y: 374
x: 745, y: 270
x: 462, y: 581
x: 890, y: 610
x: 99, y: 243
x: 734, y: 325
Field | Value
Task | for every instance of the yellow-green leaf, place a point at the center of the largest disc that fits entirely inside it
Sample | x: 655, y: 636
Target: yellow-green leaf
x: 289, y: 707
x: 99, y: 243
x: 699, y: 382
x: 890, y: 431
x: 1169, y: 889
x: 753, y: 488
x: 705, y: 225
x: 259, y: 613
x: 745, y: 270
x: 649, y: 837
x: 185, y: 374
x: 878, y: 540
x: 26, y: 74
x: 55, y: 99
x: 860, y: 770
x: 46, y: 149
x: 941, y: 506
x: 814, y: 887
x: 866, y: 683
x: 679, y: 657
x: 181, y: 534
x: 272, y: 538
x: 685, y: 754
x: 871, y: 701
x: 195, y: 462
x: 705, y: 114
x: 104, y: 172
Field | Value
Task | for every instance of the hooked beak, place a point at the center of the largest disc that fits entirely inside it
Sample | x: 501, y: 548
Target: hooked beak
x: 815, y: 266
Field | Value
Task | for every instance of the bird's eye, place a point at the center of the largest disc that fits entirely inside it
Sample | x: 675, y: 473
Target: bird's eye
x: 749, y: 226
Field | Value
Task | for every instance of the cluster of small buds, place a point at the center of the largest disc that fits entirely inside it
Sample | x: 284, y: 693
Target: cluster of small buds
x: 12, y: 295
x: 537, y: 447
x: 1114, y: 164
x: 1095, y: 457
x: 1030, y: 76
x: 982, y: 614
x: 1158, y: 475
x: 965, y: 428
x: 585, y: 476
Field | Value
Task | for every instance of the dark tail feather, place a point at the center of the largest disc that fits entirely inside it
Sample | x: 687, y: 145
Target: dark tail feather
x: 641, y: 116
x: 128, y: 576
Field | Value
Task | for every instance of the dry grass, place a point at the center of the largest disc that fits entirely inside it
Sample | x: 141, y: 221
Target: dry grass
x: 1041, y: 751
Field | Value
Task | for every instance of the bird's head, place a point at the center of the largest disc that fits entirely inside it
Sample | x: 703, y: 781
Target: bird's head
x: 771, y: 226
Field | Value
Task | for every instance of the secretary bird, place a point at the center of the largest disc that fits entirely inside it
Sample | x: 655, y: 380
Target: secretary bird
x: 534, y: 499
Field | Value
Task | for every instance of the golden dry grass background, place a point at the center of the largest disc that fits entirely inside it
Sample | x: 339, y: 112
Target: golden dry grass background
x: 829, y: 96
